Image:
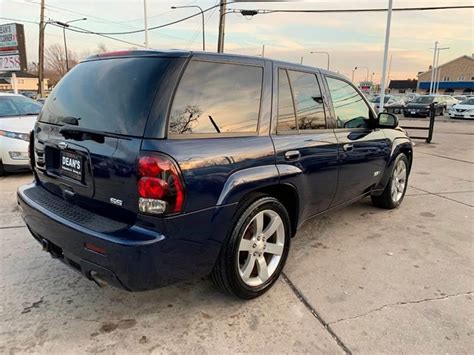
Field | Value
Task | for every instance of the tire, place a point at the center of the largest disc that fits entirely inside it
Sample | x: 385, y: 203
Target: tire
x: 239, y: 268
x: 405, y: 115
x: 2, y: 169
x: 391, y: 199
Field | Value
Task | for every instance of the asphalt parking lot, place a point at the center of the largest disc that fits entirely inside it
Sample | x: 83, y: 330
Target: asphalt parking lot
x: 358, y: 280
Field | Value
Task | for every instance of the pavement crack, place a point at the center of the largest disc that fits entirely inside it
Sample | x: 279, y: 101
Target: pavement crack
x: 445, y: 157
x: 12, y: 227
x: 441, y: 196
x: 402, y: 303
x: 315, y: 314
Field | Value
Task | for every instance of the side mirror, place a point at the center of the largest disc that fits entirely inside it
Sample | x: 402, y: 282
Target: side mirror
x: 387, y: 120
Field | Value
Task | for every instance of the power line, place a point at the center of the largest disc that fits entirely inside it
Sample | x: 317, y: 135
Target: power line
x: 18, y: 20
x: 83, y: 30
x: 425, y: 8
x: 160, y: 26
x: 263, y: 12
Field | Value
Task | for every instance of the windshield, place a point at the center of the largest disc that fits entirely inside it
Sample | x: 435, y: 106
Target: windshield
x: 469, y: 101
x: 423, y: 100
x: 112, y: 95
x: 18, y: 106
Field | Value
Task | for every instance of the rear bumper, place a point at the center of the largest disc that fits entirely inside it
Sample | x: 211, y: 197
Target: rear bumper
x: 134, y: 258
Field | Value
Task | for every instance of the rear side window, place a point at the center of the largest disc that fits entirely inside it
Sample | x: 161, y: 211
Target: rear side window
x: 112, y: 95
x: 286, y: 110
x: 215, y: 98
x: 308, y: 100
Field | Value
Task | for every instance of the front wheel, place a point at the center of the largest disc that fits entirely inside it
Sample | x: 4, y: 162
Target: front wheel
x: 254, y: 254
x: 395, y: 190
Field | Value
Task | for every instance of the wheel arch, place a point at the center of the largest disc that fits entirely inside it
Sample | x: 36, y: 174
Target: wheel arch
x: 401, y: 145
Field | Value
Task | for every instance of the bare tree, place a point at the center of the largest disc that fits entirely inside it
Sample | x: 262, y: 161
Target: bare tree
x: 182, y: 121
x: 101, y: 48
x: 55, y: 61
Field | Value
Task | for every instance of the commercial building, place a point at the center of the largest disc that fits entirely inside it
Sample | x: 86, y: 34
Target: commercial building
x: 455, y: 77
x: 402, y: 86
x: 24, y: 82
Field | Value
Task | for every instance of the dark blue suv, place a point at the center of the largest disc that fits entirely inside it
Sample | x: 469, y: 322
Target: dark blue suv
x: 153, y: 167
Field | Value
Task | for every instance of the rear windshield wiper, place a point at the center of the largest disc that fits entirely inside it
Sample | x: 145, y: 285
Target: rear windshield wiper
x: 81, y: 133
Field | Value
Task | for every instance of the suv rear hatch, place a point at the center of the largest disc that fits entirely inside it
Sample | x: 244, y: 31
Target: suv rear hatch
x: 89, y: 133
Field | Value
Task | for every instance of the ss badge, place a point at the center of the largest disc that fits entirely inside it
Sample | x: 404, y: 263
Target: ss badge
x: 116, y: 201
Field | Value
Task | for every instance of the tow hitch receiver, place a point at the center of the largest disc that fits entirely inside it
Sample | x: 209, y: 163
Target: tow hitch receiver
x: 55, y: 251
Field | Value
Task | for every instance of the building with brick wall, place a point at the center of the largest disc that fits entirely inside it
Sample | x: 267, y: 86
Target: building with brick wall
x: 455, y: 77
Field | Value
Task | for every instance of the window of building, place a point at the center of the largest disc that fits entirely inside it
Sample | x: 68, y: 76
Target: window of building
x: 461, y: 77
x: 217, y: 98
x: 446, y: 78
x: 349, y: 106
x: 308, y: 100
x: 286, y: 109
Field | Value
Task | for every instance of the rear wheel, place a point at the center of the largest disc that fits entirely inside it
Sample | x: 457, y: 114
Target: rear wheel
x: 395, y: 190
x: 253, y: 256
x: 2, y: 169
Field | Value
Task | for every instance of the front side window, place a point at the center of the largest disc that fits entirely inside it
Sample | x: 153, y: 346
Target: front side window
x: 308, y: 100
x: 217, y: 98
x: 286, y: 109
x: 349, y: 106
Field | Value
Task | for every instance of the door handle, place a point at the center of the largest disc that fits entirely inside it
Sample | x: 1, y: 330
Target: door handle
x: 292, y: 155
x: 347, y: 147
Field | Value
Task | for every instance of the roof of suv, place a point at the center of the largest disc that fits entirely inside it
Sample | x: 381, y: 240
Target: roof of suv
x: 175, y: 53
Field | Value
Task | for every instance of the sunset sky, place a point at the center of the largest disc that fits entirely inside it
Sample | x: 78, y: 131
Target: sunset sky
x: 352, y: 39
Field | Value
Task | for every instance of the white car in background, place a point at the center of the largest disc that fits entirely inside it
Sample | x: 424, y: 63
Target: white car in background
x: 17, y: 118
x: 464, y: 109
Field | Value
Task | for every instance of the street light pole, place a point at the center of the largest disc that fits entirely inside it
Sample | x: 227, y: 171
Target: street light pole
x: 437, y: 71
x: 385, y: 55
x: 322, y: 52
x: 202, y: 16
x: 433, y: 66
x: 146, y: 23
x: 64, y: 25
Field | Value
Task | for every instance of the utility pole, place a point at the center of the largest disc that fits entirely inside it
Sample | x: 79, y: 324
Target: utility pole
x: 146, y: 23
x: 220, y: 39
x: 433, y: 67
x: 263, y: 50
x: 301, y: 60
x: 41, y: 52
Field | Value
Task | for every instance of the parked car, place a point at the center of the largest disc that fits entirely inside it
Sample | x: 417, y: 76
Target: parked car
x: 29, y: 94
x: 420, y: 107
x: 464, y: 109
x: 460, y: 98
x: 17, y: 118
x: 388, y: 100
x: 203, y: 163
x: 397, y: 105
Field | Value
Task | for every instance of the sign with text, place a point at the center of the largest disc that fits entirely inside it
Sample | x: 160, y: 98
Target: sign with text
x: 12, y: 47
x: 10, y: 62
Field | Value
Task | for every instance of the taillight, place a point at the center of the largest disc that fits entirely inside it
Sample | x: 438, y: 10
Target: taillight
x: 160, y: 187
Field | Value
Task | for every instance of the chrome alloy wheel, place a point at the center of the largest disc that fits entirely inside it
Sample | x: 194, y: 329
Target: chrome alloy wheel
x: 399, y: 180
x: 261, y: 247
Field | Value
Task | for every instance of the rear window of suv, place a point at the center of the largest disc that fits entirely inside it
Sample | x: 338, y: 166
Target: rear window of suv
x: 113, y: 95
x: 215, y: 98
